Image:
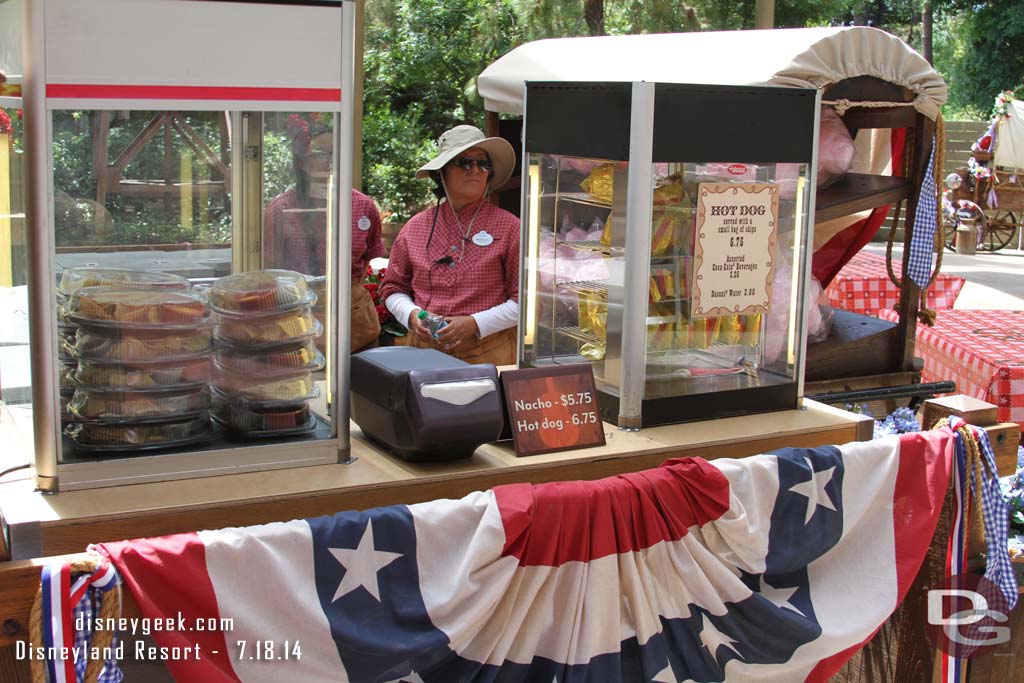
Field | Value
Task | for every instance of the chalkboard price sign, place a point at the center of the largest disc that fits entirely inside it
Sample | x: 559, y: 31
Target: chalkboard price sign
x: 553, y: 409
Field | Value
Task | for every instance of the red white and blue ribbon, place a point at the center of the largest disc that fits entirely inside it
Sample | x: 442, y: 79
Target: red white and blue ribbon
x: 62, y: 595
x: 995, y: 520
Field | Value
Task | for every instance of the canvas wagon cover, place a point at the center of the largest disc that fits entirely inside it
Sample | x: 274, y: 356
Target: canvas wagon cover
x: 1010, y: 137
x: 799, y: 57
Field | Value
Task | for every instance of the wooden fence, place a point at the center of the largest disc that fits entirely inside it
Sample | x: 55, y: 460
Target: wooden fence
x: 960, y: 135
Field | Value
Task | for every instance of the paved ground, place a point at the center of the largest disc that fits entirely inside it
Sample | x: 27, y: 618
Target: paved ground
x: 995, y: 281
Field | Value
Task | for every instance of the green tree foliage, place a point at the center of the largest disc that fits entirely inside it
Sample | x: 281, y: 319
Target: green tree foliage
x: 79, y: 220
x: 991, y: 55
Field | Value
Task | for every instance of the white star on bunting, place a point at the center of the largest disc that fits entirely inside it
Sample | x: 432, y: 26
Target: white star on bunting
x: 713, y: 638
x: 779, y: 596
x: 814, y: 489
x: 362, y: 564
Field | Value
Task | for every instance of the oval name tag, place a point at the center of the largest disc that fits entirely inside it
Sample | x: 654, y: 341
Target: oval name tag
x: 483, y: 239
x: 363, y: 223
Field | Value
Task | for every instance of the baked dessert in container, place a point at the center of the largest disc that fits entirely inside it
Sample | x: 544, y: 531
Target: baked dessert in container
x: 260, y: 292
x: 126, y: 406
x: 113, y: 438
x: 274, y: 360
x: 92, y: 374
x: 269, y: 330
x: 265, y: 392
x: 137, y: 308
x: 239, y: 419
x: 108, y: 343
x: 74, y: 279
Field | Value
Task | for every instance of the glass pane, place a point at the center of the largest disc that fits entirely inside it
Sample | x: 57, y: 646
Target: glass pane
x: 163, y: 348
x: 570, y: 264
x: 719, y: 310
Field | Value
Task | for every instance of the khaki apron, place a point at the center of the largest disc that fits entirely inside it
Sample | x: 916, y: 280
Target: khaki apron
x: 365, y: 324
x: 498, y: 348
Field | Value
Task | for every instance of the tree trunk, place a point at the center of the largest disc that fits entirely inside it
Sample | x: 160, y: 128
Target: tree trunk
x: 926, y: 30
x: 593, y: 12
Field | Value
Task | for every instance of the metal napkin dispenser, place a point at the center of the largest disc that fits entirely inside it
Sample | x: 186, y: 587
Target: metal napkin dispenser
x: 424, y: 405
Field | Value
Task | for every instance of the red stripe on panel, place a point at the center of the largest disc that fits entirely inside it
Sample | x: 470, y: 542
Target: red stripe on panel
x: 178, y: 564
x: 189, y: 92
x: 578, y: 521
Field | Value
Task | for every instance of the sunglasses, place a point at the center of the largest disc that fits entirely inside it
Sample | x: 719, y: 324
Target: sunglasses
x: 467, y: 164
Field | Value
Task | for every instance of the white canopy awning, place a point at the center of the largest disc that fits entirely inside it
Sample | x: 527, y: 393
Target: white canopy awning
x: 801, y: 57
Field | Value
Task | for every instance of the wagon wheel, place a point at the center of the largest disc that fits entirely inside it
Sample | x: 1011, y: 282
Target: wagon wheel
x: 1001, y: 227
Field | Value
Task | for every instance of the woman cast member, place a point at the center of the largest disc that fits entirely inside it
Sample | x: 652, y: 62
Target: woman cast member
x: 460, y: 259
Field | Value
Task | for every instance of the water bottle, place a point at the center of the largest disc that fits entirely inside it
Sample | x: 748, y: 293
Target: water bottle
x: 432, y: 322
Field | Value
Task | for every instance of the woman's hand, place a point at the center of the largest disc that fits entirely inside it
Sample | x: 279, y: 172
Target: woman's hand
x: 460, y: 329
x: 417, y: 327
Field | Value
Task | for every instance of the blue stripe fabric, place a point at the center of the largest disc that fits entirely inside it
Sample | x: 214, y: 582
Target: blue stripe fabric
x: 996, y: 518
x: 922, y: 241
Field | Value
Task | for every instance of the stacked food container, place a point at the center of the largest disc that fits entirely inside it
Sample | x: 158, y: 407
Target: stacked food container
x: 318, y: 285
x: 141, y: 353
x: 265, y: 354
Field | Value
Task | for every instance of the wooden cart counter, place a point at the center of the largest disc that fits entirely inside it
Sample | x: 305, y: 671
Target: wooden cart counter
x: 39, y: 525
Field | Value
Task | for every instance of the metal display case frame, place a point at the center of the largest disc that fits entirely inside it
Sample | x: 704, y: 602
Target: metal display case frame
x: 195, y: 56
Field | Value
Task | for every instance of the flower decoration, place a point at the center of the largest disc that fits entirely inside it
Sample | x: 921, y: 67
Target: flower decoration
x: 1002, y: 104
x: 388, y: 324
x: 5, y: 123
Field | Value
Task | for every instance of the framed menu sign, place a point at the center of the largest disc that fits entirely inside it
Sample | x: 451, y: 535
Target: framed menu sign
x: 553, y: 409
x: 734, y: 253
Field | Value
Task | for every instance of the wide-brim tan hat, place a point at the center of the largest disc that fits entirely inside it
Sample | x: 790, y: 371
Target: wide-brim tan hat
x: 454, y: 142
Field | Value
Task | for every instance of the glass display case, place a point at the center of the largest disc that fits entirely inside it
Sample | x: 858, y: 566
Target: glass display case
x: 666, y: 244
x: 174, y: 333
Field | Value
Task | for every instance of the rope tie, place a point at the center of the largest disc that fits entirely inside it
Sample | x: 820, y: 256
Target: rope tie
x: 843, y: 104
x: 925, y: 315
x: 87, y: 570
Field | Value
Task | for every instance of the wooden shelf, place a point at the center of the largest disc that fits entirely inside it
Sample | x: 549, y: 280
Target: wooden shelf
x: 857, y: 192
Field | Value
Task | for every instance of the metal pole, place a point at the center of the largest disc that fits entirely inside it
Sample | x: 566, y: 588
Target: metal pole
x: 636, y: 284
x: 40, y: 250
x: 341, y: 225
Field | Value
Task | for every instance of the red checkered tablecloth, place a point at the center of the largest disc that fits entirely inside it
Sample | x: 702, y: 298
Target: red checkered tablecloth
x: 863, y: 286
x: 982, y: 351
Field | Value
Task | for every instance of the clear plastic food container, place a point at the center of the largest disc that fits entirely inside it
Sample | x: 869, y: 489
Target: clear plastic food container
x: 119, y: 406
x: 101, y: 437
x: 74, y: 279
x: 137, y: 375
x: 260, y: 292
x: 269, y: 331
x: 264, y: 393
x: 110, y: 343
x: 137, y: 308
x: 279, y: 360
x: 239, y: 419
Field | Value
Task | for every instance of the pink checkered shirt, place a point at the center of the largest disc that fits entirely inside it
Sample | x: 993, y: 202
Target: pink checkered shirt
x: 287, y: 243
x: 486, y: 276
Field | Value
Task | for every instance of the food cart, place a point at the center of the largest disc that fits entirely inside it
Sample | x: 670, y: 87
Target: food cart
x: 889, y: 99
